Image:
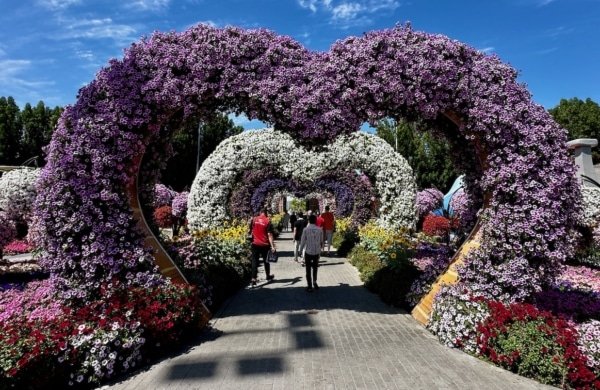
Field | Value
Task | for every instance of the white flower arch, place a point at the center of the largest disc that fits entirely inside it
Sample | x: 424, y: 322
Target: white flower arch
x: 392, y: 176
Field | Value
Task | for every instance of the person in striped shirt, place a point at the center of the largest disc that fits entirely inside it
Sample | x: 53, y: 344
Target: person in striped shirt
x: 312, y: 243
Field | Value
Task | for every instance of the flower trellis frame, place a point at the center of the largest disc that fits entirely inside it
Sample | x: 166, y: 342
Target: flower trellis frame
x: 515, y: 152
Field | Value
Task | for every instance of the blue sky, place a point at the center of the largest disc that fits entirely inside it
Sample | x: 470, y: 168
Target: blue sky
x: 51, y: 48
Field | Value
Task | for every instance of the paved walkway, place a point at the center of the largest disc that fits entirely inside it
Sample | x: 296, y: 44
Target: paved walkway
x: 278, y: 336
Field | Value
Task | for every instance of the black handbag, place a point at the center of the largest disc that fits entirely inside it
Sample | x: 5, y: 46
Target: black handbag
x: 272, y: 256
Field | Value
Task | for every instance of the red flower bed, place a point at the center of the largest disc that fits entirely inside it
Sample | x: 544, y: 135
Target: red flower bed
x: 83, y: 346
x: 436, y: 225
x: 535, y: 344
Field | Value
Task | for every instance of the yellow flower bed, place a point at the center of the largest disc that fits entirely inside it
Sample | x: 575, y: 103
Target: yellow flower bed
x: 230, y: 231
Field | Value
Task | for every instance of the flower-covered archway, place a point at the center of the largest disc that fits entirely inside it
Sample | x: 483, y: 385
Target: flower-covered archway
x: 512, y: 150
x: 392, y: 176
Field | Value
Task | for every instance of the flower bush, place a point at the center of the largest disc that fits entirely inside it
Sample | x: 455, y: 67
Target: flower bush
x: 436, y: 225
x: 163, y: 196
x: 18, y: 192
x: 506, y: 336
x: 432, y: 261
x: 345, y: 236
x: 589, y: 343
x: 17, y: 247
x: 464, y: 212
x: 428, y: 200
x: 455, y: 318
x: 164, y: 218
x: 44, y: 343
x: 216, y: 260
x: 179, y: 204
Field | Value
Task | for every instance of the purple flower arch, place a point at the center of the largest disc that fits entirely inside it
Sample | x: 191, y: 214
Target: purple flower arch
x: 86, y: 201
x: 353, y: 193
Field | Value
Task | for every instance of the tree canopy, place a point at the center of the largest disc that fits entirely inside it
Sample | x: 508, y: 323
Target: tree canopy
x: 24, y: 133
x: 181, y: 169
x: 426, y: 154
x: 580, y: 118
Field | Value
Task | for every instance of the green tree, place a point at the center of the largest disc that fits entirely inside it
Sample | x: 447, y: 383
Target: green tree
x: 180, y: 171
x: 38, y: 125
x: 426, y: 154
x: 10, y: 132
x: 581, y: 119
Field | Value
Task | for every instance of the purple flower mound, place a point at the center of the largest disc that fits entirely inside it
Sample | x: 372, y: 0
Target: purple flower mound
x: 163, y: 196
x: 83, y: 210
x: 428, y: 200
x: 179, y: 204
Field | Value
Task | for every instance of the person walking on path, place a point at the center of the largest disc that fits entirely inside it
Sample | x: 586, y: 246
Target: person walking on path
x: 312, y: 241
x: 293, y: 218
x: 286, y: 221
x: 328, y: 226
x: 298, y: 228
x: 263, y: 241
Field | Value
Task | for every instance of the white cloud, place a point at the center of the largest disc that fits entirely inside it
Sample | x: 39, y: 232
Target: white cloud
x: 310, y: 4
x: 58, y: 4
x: 346, y: 11
x: 558, y: 31
x: 9, y: 79
x: 487, y: 50
x: 98, y: 29
x: 11, y: 67
x: 151, y: 5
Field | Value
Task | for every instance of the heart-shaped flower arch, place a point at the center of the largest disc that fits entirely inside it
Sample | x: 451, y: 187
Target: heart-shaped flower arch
x: 392, y: 176
x: 510, y: 147
x: 353, y: 194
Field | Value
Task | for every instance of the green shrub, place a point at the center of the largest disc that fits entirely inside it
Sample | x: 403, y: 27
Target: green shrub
x: 366, y: 262
x: 392, y: 285
x: 344, y: 241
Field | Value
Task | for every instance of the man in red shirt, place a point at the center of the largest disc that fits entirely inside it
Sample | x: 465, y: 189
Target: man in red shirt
x: 262, y: 230
x: 328, y: 224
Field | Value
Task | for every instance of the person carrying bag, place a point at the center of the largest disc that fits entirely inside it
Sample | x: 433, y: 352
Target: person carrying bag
x: 263, y: 242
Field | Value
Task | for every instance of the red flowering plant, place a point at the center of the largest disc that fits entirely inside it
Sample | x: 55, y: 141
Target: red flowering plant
x: 437, y: 225
x: 535, y: 344
x: 44, y: 343
x: 164, y: 217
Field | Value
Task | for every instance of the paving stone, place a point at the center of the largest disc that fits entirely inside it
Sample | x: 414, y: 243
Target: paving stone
x: 278, y: 336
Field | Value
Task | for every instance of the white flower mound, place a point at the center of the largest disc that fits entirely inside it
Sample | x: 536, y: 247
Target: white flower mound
x: 591, y: 205
x: 208, y: 203
x: 18, y: 192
